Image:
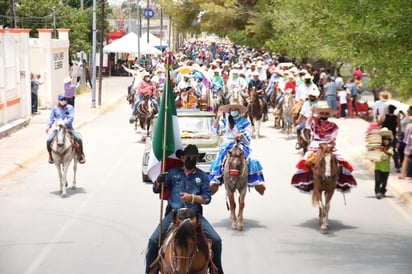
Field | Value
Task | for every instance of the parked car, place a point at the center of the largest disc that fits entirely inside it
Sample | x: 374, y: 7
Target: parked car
x: 195, y: 128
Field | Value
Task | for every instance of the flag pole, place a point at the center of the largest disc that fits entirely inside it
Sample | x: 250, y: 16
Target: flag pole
x: 163, y: 167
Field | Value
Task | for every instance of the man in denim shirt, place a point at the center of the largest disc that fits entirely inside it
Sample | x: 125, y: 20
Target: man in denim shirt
x: 189, y: 188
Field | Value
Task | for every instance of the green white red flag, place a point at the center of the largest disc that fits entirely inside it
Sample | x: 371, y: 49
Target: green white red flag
x: 166, y: 135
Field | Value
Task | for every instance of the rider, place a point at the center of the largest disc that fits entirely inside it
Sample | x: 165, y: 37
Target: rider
x: 236, y: 127
x: 323, y: 131
x: 259, y: 86
x: 305, y: 113
x: 145, y: 88
x: 65, y: 112
x: 185, y: 83
x: 236, y: 82
x: 189, y: 187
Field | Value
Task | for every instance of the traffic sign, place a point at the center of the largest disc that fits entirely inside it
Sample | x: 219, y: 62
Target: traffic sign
x: 148, y: 13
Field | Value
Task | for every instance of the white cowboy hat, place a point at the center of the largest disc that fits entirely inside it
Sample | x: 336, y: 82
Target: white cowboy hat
x: 66, y: 80
x: 314, y: 92
x: 242, y: 109
x: 323, y: 107
x: 385, y: 95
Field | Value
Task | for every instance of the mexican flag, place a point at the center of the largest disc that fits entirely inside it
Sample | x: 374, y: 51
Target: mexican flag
x: 166, y: 135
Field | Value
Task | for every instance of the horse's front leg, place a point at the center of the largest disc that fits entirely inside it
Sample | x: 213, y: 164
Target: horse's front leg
x: 242, y: 197
x: 74, y: 172
x: 232, y: 207
x: 325, y: 222
x: 60, y: 174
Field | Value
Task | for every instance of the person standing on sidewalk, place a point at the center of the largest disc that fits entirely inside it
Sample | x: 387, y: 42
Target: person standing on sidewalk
x: 407, y: 146
x: 36, y: 81
x: 393, y: 123
x: 380, y: 106
x: 70, y: 89
x: 383, y: 167
x: 65, y: 112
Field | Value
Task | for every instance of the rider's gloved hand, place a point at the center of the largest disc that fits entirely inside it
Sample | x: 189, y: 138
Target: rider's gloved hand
x: 161, y: 178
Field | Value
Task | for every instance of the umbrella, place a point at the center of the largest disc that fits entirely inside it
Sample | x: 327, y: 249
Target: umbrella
x: 198, y: 73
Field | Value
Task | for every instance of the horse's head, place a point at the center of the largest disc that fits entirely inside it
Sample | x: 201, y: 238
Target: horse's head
x: 60, y: 128
x: 184, y: 240
x: 236, y: 161
x: 325, y: 163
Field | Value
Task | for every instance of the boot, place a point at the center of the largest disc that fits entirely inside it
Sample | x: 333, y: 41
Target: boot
x: 260, y: 188
x: 51, y: 161
x: 214, y: 188
x: 80, y: 156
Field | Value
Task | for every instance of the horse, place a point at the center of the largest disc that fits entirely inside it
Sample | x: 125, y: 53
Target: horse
x: 306, y: 138
x: 186, y: 248
x: 255, y: 111
x: 287, y: 115
x: 144, y: 116
x: 63, y: 152
x: 236, y: 98
x: 235, y: 175
x: 277, y: 110
x: 325, y: 175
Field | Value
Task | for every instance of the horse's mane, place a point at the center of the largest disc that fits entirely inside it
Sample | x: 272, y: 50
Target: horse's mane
x: 183, y: 231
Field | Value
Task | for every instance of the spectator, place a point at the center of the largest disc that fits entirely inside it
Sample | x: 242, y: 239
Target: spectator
x: 70, y: 89
x: 380, y: 106
x: 354, y: 94
x: 393, y: 123
x: 382, y: 167
x: 36, y: 81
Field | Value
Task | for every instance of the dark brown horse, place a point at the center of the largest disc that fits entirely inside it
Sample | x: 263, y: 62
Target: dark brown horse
x: 186, y: 249
x: 235, y: 176
x: 144, y: 116
x: 255, y: 111
x: 325, y: 175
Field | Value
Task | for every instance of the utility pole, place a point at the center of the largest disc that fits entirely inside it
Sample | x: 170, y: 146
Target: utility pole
x: 99, y: 100
x: 148, y: 19
x: 139, y: 29
x: 94, y: 57
x: 13, y: 14
x: 54, y: 21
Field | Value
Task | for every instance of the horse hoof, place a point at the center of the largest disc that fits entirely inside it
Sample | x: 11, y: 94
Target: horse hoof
x: 234, y: 227
x: 74, y: 187
x: 63, y: 195
x: 240, y: 227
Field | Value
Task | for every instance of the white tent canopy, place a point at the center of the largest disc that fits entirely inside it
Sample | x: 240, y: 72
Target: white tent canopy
x: 154, y: 41
x: 128, y: 44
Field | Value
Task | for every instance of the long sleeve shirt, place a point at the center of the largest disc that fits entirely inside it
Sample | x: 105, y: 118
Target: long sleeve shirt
x: 146, y: 88
x: 66, y: 113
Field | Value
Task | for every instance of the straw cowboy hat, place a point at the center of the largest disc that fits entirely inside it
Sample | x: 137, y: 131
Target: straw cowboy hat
x: 323, y: 107
x: 385, y: 132
x: 66, y: 80
x: 242, y: 109
x: 385, y: 95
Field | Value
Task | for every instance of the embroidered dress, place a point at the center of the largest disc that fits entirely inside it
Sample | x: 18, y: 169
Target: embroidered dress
x: 242, y: 125
x: 323, y: 131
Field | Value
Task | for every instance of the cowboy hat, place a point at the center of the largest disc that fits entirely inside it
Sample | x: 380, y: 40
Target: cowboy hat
x: 189, y: 150
x: 314, y: 92
x: 66, y: 80
x: 385, y: 132
x: 323, y: 107
x: 242, y: 109
x: 385, y: 95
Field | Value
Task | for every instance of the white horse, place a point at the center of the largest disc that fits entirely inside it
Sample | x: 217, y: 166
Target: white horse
x: 63, y: 153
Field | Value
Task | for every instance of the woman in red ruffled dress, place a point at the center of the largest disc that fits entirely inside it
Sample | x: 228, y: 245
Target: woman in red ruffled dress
x: 323, y: 131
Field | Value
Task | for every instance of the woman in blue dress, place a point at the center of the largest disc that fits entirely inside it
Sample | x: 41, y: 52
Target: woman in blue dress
x: 236, y: 127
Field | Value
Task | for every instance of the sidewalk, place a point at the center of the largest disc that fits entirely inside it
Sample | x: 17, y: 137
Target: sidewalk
x: 29, y: 143
x: 351, y: 140
x: 21, y: 147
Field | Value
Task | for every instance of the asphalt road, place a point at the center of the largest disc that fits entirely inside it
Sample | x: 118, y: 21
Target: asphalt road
x: 103, y: 226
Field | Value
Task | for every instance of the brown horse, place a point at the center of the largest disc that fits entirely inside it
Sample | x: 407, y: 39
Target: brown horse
x: 255, y: 111
x: 325, y: 176
x: 306, y: 138
x: 144, y: 116
x: 235, y: 176
x: 287, y: 115
x: 186, y: 249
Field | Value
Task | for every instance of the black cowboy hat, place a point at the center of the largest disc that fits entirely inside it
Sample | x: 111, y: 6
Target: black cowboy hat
x: 190, y: 150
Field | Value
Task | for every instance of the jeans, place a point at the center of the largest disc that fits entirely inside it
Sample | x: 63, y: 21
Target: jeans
x: 331, y: 99
x: 300, y: 127
x: 136, y: 104
x: 381, y: 179
x: 34, y: 102
x: 153, y: 249
x: 76, y: 136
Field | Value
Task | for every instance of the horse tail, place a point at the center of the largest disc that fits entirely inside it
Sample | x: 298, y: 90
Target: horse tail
x: 316, y: 197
